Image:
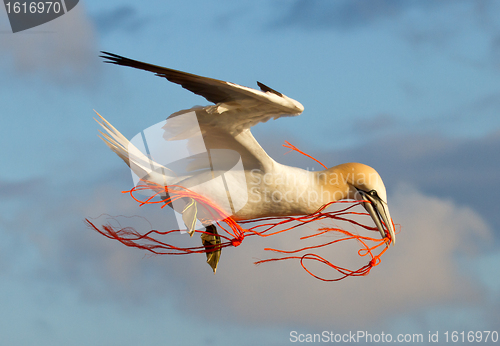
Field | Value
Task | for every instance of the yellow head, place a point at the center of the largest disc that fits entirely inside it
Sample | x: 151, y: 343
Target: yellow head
x: 363, y: 183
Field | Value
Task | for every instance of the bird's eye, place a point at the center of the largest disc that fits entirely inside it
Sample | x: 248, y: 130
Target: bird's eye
x: 373, y: 193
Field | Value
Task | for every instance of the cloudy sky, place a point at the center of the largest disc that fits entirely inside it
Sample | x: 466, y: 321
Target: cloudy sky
x: 411, y: 88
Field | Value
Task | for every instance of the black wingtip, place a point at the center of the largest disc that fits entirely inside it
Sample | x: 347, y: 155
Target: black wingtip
x: 108, y: 55
x: 265, y: 88
x: 111, y: 58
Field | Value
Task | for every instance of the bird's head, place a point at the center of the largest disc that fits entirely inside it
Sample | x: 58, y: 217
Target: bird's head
x: 363, y: 183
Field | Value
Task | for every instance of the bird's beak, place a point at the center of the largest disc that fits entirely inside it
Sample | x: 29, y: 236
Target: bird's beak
x: 379, y: 211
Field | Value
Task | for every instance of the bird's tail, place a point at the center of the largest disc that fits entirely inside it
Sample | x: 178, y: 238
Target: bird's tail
x: 143, y: 166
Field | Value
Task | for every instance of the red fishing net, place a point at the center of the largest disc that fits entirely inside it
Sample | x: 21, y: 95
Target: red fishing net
x: 232, y: 232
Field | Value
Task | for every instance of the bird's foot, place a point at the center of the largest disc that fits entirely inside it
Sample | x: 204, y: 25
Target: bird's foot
x: 211, y: 241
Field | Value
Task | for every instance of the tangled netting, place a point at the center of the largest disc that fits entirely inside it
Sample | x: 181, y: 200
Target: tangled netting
x: 234, y: 232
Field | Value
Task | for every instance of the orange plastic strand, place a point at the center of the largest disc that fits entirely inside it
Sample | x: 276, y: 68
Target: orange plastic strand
x: 294, y: 148
x: 149, y: 241
x: 365, y: 270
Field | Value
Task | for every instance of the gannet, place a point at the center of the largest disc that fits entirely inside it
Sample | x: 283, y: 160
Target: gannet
x: 260, y: 186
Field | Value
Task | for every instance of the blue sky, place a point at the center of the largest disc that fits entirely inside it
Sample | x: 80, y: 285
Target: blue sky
x: 411, y: 88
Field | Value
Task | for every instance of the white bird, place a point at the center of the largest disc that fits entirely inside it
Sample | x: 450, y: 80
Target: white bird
x: 249, y: 183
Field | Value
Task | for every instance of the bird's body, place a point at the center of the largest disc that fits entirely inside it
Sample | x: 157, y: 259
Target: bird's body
x: 229, y: 166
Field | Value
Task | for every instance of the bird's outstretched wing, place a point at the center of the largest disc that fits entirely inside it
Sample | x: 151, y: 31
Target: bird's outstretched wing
x: 223, y: 126
x: 214, y: 90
